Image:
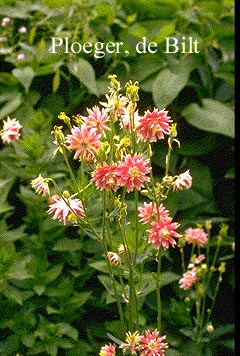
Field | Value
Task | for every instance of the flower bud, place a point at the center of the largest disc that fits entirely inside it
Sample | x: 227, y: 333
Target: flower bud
x: 210, y: 328
x: 114, y: 258
x: 132, y: 91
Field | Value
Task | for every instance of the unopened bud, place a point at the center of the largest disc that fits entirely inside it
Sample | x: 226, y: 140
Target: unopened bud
x: 210, y: 328
x: 222, y: 267
x: 114, y: 258
x: 132, y: 91
x: 66, y: 194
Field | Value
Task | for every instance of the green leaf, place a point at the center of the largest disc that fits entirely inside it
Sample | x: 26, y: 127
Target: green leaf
x: 167, y: 86
x: 25, y: 76
x: 11, y: 106
x: 19, y: 270
x: 212, y: 116
x: 67, y: 245
x: 67, y: 329
x: 53, y: 273
x: 84, y: 71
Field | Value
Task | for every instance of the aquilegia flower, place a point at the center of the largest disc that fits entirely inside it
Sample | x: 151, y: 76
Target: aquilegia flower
x: 188, y: 278
x: 151, y: 344
x: 163, y: 233
x: 153, y: 125
x: 105, y: 177
x: 97, y: 119
x: 107, y: 350
x: 66, y: 209
x: 132, y: 173
x: 84, y: 141
x: 132, y: 340
x: 150, y: 212
x: 183, y: 181
x: 10, y: 131
x: 40, y: 185
x: 196, y: 236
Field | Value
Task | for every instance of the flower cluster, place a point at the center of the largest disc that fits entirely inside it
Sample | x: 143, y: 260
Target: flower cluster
x: 148, y: 344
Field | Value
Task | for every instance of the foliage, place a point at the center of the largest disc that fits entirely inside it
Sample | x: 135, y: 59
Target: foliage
x: 48, y: 271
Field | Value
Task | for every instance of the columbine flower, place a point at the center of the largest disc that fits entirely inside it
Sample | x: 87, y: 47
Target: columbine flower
x: 196, y: 236
x: 115, y: 104
x: 132, y: 340
x: 183, y: 181
x: 151, y: 344
x: 105, y: 177
x: 198, y: 259
x: 188, y: 279
x: 40, y: 185
x: 133, y: 172
x: 84, y: 141
x: 162, y: 233
x: 10, y: 131
x: 97, y: 119
x: 107, y: 350
x: 150, y: 212
x: 125, y: 119
x: 22, y: 30
x: 153, y: 125
x: 5, y: 21
x: 114, y: 258
x: 66, y: 209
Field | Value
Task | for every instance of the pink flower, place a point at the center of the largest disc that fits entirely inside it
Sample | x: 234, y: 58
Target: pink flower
x: 151, y: 344
x: 188, y: 279
x: 114, y: 258
x: 133, y: 172
x: 21, y: 57
x: 22, y: 30
x: 196, y: 236
x: 199, y: 259
x: 105, y: 177
x: 150, y: 212
x: 107, y: 350
x: 66, y: 209
x: 183, y: 181
x: 97, y: 119
x: 10, y: 131
x: 40, y: 185
x: 153, y: 125
x: 5, y: 21
x: 84, y: 141
x: 162, y: 233
x: 115, y: 105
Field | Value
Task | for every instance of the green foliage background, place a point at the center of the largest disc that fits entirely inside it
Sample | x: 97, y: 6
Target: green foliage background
x: 51, y: 298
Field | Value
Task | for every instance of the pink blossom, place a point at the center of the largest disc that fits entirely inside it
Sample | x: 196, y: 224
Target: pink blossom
x: 150, y: 212
x: 84, y: 141
x: 22, y: 30
x: 151, y: 344
x: 115, y: 104
x: 162, y: 233
x: 133, y: 172
x: 196, y: 236
x: 199, y: 259
x: 21, y: 57
x: 153, y: 125
x: 66, y: 209
x: 114, y: 258
x: 105, y: 177
x: 10, y: 131
x: 5, y: 21
x: 188, y: 279
x: 183, y: 181
x: 97, y: 119
x: 107, y: 350
x: 132, y: 340
x: 40, y: 185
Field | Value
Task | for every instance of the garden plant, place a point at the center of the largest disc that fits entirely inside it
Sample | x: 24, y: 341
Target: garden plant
x: 127, y: 248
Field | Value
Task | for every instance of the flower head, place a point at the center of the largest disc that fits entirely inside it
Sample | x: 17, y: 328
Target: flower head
x: 196, y: 236
x: 40, y: 185
x: 188, y: 278
x: 66, y: 209
x: 10, y: 131
x: 151, y: 344
x: 97, y: 119
x: 114, y: 258
x: 22, y: 30
x: 132, y: 340
x: 5, y: 21
x: 183, y: 181
x: 107, y: 350
x: 162, y: 233
x: 132, y: 173
x: 21, y: 57
x: 105, y: 177
x: 153, y: 125
x: 151, y: 212
x: 84, y: 141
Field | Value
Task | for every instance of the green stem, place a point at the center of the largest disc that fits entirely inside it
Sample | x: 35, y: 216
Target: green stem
x: 159, y: 303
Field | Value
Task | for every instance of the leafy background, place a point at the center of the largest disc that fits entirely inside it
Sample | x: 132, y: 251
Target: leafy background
x: 52, y: 300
